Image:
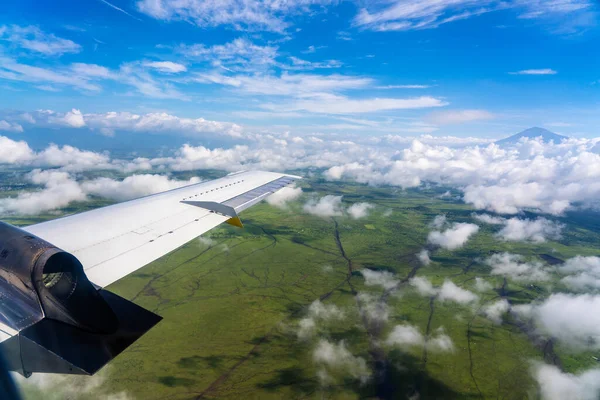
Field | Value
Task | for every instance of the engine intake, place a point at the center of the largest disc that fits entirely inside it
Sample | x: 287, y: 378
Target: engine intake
x: 65, y: 324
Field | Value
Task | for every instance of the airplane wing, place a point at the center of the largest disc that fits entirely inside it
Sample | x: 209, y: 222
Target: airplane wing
x: 112, y: 242
x: 55, y: 315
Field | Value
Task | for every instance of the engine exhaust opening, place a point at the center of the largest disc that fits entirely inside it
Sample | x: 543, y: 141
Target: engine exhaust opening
x: 67, y: 295
x: 60, y: 276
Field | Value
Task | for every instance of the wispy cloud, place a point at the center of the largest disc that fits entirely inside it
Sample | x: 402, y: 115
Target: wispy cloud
x: 542, y: 71
x: 403, y: 87
x: 34, y: 39
x: 119, y: 9
x: 404, y: 15
x: 458, y: 116
x: 262, y: 15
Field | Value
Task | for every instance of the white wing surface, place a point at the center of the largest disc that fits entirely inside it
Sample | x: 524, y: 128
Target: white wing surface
x: 112, y: 242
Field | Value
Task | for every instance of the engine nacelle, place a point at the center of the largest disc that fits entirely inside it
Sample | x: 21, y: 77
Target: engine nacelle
x: 63, y: 323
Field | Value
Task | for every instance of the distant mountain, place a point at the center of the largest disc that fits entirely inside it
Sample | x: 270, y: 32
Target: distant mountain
x: 533, y: 133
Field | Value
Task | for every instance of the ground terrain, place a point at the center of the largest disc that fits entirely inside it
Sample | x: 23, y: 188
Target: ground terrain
x: 232, y: 301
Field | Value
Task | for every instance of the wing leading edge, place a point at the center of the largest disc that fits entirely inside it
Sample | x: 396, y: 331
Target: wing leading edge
x: 114, y: 241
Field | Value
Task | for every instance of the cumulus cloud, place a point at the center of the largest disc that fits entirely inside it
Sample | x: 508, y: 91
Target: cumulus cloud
x: 557, y: 385
x: 283, y: 196
x: 10, y: 127
x: 438, y: 222
x: 385, y: 279
x: 496, y: 310
x: 488, y: 219
x: 572, y: 319
x: 481, y: 285
x: 450, y: 292
x: 447, y: 292
x: 423, y: 286
x: 59, y: 387
x: 14, y: 152
x: 530, y: 175
x: 326, y: 206
x: 536, y: 231
x: 317, y: 313
x: 406, y: 336
x: 375, y: 311
x: 61, y: 189
x: 133, y: 186
x: 583, y: 273
x: 454, y: 237
x: 423, y: 257
x: 514, y: 267
x: 73, y: 119
x: 360, y: 210
x: 337, y: 358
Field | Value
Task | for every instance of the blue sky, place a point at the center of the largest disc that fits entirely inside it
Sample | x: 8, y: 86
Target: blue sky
x: 459, y: 67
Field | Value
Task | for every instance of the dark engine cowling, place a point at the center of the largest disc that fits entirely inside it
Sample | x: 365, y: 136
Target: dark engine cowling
x: 64, y: 323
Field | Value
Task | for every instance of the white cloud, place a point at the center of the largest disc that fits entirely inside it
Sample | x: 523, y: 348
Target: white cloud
x: 337, y: 357
x: 133, y: 186
x: 438, y: 222
x: 481, y: 285
x: 12, y: 70
x: 61, y: 189
x: 406, y: 336
x: 240, y: 54
x: 458, y: 116
x: 404, y: 15
x: 496, y: 310
x: 10, y: 127
x: 404, y: 87
x: 557, y: 385
x: 317, y: 313
x: 536, y: 231
x: 423, y: 257
x: 326, y: 206
x: 263, y: 15
x: 166, y: 66
x: 572, y: 319
x: 13, y: 152
x: 454, y: 237
x: 73, y: 118
x: 543, y: 71
x: 450, y: 292
x: 512, y: 266
x: 333, y: 104
x: 423, y: 286
x: 34, y: 39
x: 375, y: 311
x: 143, y: 123
x: 440, y: 343
x: 385, y: 279
x: 584, y: 273
x: 283, y: 196
x: 360, y: 210
x: 488, y: 219
x: 60, y: 387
